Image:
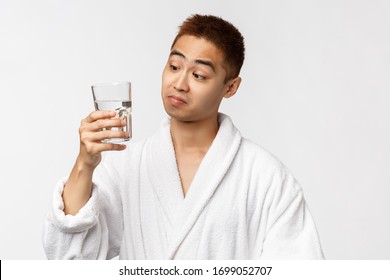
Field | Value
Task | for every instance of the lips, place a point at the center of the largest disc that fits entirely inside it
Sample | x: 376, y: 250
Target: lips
x: 176, y: 100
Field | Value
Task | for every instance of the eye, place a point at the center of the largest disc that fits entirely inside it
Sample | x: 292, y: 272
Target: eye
x: 173, y: 67
x: 199, y: 77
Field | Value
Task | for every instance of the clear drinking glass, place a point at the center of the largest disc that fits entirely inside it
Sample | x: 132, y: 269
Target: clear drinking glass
x: 115, y: 97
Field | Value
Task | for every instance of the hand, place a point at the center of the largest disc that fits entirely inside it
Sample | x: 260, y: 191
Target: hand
x: 91, y: 136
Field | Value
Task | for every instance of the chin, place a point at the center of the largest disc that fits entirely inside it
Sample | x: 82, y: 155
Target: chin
x: 180, y: 117
x: 176, y: 113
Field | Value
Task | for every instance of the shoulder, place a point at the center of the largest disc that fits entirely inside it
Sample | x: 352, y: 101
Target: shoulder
x: 266, y: 168
x: 256, y: 154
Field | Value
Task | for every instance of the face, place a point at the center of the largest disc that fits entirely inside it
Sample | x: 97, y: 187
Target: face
x: 193, y: 80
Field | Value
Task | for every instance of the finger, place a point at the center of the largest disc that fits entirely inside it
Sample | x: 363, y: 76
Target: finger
x: 109, y: 147
x: 105, y: 123
x: 102, y: 135
x: 97, y: 115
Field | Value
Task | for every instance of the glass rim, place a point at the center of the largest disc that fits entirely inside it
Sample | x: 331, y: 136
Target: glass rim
x: 105, y: 84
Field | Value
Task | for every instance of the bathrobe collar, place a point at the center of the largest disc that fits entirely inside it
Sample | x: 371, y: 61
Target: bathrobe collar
x: 163, y: 172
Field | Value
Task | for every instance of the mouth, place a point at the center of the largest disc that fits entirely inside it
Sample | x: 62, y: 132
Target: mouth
x: 176, y: 100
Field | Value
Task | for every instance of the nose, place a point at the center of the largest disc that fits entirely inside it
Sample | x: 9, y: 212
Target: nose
x: 181, y: 82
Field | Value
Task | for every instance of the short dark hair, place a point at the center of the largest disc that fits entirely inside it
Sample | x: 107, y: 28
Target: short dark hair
x: 224, y: 35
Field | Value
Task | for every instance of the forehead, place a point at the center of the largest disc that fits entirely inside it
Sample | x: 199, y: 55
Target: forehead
x: 198, y: 48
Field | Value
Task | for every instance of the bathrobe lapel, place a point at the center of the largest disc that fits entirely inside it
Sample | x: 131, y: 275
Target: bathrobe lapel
x: 163, y: 173
x: 183, y: 213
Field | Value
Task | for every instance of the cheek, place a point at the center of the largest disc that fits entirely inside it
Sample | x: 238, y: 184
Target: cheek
x: 210, y: 97
x: 166, y: 76
x: 165, y: 79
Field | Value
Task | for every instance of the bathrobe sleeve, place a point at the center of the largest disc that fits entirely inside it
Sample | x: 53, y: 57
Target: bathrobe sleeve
x: 291, y: 232
x: 95, y: 232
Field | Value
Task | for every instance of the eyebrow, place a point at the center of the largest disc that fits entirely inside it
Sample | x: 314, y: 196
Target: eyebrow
x: 196, y: 61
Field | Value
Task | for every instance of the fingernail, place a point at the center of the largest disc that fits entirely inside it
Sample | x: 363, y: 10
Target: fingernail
x: 123, y: 122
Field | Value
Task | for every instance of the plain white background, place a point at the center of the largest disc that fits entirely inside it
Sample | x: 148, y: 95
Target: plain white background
x: 315, y: 93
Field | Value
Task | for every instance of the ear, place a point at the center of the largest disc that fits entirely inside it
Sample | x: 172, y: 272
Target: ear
x: 232, y: 87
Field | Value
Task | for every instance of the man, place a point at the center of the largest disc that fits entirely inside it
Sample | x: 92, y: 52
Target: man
x: 194, y: 190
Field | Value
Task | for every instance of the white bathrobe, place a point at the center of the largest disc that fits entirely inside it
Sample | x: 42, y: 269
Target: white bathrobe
x: 242, y: 204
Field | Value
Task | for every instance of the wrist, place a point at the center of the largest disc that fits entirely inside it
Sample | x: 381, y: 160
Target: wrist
x: 83, y: 167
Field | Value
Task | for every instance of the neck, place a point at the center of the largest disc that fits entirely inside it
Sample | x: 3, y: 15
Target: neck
x: 196, y: 136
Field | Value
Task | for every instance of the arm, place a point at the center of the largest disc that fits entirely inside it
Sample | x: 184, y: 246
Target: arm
x: 291, y: 232
x: 95, y: 232
x: 78, y: 188
x: 85, y: 219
